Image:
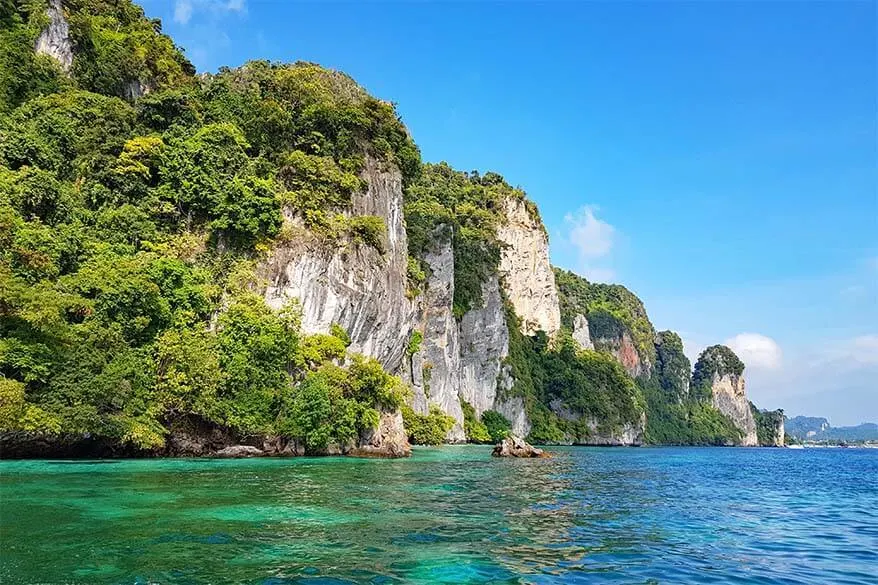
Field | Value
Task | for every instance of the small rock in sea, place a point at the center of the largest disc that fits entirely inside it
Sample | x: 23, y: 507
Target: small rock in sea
x: 239, y: 451
x: 517, y: 447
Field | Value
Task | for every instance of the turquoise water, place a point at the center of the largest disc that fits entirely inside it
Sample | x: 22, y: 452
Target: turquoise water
x: 449, y: 515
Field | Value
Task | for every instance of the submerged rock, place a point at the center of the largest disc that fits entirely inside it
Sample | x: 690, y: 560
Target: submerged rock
x: 239, y: 451
x: 517, y: 447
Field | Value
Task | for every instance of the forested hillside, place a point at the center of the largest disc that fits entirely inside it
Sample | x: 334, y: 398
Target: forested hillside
x: 130, y: 229
x: 144, y: 210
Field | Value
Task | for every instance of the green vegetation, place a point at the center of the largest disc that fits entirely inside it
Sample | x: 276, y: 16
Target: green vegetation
x: 427, y: 429
x: 130, y: 229
x: 415, y: 341
x: 23, y: 74
x: 336, y: 405
x: 689, y: 422
x: 676, y: 415
x: 476, y: 431
x: 611, y: 309
x: 136, y: 200
x: 497, y: 426
x: 466, y: 207
x: 564, y: 387
x: 672, y: 367
x: 716, y: 360
x: 118, y: 52
x: 768, y: 423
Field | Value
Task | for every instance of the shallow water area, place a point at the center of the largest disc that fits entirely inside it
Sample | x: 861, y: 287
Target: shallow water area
x: 447, y: 515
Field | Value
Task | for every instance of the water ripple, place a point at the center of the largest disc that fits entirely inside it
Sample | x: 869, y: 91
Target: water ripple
x: 450, y: 515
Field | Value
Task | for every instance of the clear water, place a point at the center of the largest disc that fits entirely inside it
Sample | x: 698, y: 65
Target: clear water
x: 449, y: 515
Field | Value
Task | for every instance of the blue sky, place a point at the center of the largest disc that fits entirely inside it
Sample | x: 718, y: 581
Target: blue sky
x: 719, y: 159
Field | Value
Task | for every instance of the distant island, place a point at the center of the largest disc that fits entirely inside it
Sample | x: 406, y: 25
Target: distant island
x: 810, y: 429
x: 258, y: 262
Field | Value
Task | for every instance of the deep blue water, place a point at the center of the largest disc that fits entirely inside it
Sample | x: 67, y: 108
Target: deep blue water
x: 448, y: 515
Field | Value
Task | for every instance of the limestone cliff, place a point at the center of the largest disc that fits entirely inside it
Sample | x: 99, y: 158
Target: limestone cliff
x: 363, y: 289
x: 595, y: 433
x: 358, y: 286
x: 780, y: 435
x: 719, y: 378
x: 484, y: 344
x: 608, y: 318
x: 54, y: 41
x: 673, y: 369
x: 525, y: 270
x: 769, y: 426
x: 729, y: 399
x: 435, y: 367
x: 622, y: 347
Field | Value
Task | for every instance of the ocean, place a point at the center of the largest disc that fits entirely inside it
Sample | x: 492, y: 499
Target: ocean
x: 447, y: 515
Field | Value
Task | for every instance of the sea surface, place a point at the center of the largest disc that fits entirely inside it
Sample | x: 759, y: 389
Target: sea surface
x: 447, y: 515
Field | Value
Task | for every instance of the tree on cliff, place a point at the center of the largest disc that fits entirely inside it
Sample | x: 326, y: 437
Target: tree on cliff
x: 130, y: 226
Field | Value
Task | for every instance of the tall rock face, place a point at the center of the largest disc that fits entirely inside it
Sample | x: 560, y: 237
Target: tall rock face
x: 484, y: 344
x: 435, y: 366
x: 769, y: 426
x: 729, y: 398
x: 54, y: 41
x: 485, y: 378
x: 622, y: 347
x: 719, y: 378
x: 525, y: 270
x: 357, y: 286
x: 779, y: 433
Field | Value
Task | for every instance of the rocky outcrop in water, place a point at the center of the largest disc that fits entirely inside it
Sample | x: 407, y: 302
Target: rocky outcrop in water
x: 54, y: 41
x: 389, y: 440
x: 517, y: 447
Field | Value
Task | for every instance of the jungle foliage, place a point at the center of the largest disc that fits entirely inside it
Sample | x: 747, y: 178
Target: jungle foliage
x: 466, y: 208
x: 130, y: 226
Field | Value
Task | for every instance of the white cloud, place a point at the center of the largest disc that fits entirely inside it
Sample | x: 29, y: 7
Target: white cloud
x: 835, y: 379
x: 592, y: 237
x: 183, y: 9
x: 593, y: 240
x: 853, y: 353
x: 692, y: 349
x: 756, y: 351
